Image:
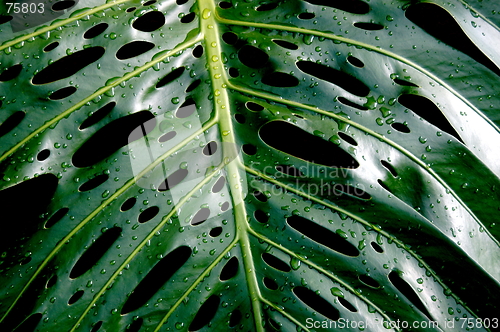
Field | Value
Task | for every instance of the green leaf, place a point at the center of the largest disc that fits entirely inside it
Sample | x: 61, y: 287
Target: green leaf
x: 255, y: 166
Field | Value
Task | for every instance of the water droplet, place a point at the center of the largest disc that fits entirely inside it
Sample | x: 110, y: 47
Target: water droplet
x: 206, y: 13
x: 295, y: 263
x: 337, y: 292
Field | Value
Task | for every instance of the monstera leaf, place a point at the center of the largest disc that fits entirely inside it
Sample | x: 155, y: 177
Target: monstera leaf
x: 296, y: 165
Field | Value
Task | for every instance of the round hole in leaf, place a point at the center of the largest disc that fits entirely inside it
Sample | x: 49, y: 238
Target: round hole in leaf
x: 42, y: 155
x: 270, y: 283
x: 150, y: 21
x: 230, y: 38
x: 224, y: 206
x: 216, y: 231
x: 131, y: 9
x: 261, y: 216
x: 128, y: 204
x: 249, y: 149
x: 148, y: 214
x: 233, y: 72
x: 225, y: 5
x: 198, y: 51
x: 210, y: 148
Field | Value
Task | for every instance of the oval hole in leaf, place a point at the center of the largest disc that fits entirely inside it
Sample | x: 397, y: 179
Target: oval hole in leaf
x: 267, y: 6
x: 94, y: 182
x: 235, y: 318
x: 62, y: 5
x: 210, y: 148
x: 337, y: 77
x: 408, y: 292
x: 275, y: 262
x: 149, y: 3
x: 349, y: 190
x: 316, y: 302
x: 230, y: 269
x: 5, y: 18
x: 150, y: 21
x: 389, y: 167
x: 193, y: 85
x: 301, y: 144
x: 95, y: 252
x: 201, y: 216
x: 254, y: 107
x: 322, y: 235
x: 186, y: 109
x: 439, y: 23
x: 131, y: 9
x: 401, y: 127
x: 285, y: 44
x: 280, y: 80
x: 260, y: 196
x: 240, y: 118
x: 170, y: 77
x: 188, y: 18
x: 346, y: 304
x: 29, y: 324
x: 219, y: 184
x: 369, y: 281
x: 347, y: 138
x: 252, y: 56
x: 98, y: 115
x: 11, y: 73
x: 68, y: 65
x: 56, y: 217
x: 135, y: 326
x: 289, y: 170
x: 261, y: 216
x: 95, y: 30
x: 96, y: 326
x: 173, y: 179
x: 347, y: 102
x: 112, y: 137
x: 205, y: 314
x: 427, y: 110
x: 12, y: 122
x: 52, y: 281
x: 270, y: 283
x: 355, y: 61
x: 167, y: 137
x: 42, y: 155
x: 128, y: 204
x: 198, y: 51
x: 249, y: 149
x: 215, y: 232
x: 62, y: 93
x: 156, y: 278
x: 230, y: 38
x: 50, y: 47
x: 148, y: 214
x: 351, y: 6
x: 225, y: 5
x: 369, y: 26
x: 307, y: 16
x: 224, y: 206
x: 376, y: 247
x: 133, y: 49
x: 75, y: 297
x: 404, y: 83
